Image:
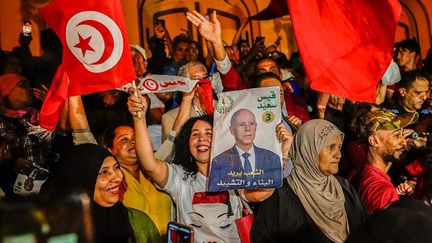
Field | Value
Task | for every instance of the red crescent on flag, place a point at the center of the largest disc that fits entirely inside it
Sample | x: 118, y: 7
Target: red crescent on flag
x: 107, y: 36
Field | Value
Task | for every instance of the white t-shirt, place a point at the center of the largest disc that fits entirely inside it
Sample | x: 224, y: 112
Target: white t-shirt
x: 210, y: 221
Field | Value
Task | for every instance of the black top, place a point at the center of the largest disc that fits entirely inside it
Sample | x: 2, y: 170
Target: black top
x: 404, y: 221
x: 78, y: 170
x: 282, y: 217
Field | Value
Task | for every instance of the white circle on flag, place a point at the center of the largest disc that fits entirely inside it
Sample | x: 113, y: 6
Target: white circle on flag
x: 95, y: 40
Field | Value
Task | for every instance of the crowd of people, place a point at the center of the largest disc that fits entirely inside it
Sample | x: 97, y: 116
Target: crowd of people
x: 144, y: 160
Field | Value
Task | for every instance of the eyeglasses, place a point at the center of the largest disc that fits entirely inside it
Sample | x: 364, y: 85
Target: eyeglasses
x: 207, y: 77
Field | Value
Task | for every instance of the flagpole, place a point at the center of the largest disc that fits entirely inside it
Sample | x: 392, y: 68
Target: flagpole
x: 136, y: 94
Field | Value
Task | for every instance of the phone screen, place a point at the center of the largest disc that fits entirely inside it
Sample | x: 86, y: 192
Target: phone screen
x: 178, y: 233
x: 27, y: 28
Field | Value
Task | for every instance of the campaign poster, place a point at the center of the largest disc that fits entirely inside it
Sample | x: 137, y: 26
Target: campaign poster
x: 245, y: 152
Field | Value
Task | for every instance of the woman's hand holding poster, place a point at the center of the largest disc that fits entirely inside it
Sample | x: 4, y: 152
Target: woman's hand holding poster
x: 245, y: 152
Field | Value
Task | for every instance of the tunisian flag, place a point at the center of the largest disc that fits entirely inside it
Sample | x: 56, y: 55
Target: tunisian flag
x: 96, y: 54
x: 345, y: 46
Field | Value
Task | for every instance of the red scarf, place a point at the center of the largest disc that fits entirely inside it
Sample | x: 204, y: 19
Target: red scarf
x: 18, y: 114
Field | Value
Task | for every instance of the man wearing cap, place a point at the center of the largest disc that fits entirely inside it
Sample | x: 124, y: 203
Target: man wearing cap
x: 24, y: 166
x: 383, y: 132
x: 139, y: 59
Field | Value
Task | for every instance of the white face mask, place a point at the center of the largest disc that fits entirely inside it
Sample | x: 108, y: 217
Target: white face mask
x: 392, y: 74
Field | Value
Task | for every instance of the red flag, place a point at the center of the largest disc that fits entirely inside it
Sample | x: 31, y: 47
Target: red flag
x: 205, y: 92
x: 345, y: 46
x: 56, y: 96
x: 96, y: 54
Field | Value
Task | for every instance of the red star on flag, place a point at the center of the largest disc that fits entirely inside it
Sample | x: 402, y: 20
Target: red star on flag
x: 84, y: 44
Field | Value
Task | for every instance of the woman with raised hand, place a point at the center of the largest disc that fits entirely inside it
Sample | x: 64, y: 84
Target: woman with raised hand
x: 211, y: 214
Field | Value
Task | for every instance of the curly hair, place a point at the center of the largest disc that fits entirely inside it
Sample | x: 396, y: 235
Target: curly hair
x: 182, y: 152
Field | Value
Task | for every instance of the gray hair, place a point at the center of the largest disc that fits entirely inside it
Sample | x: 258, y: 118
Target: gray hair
x: 184, y: 70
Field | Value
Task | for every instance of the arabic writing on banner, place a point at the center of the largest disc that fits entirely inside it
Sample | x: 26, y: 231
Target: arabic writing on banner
x: 162, y: 83
x: 245, y: 152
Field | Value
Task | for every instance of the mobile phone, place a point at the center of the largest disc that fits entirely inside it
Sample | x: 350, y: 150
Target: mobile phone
x: 180, y: 233
x: 27, y: 28
x: 159, y: 21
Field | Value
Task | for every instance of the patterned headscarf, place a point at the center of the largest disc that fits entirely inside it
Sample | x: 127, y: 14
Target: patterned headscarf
x: 321, y: 196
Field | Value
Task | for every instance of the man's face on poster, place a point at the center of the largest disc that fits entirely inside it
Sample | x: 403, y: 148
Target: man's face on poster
x: 243, y: 128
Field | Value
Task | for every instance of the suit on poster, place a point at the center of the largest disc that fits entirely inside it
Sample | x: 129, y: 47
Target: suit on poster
x: 244, y: 165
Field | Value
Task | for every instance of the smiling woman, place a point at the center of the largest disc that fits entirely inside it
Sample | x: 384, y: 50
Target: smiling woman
x: 212, y: 215
x: 98, y: 174
x: 93, y: 169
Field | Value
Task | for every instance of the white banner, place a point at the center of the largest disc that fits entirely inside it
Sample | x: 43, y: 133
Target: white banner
x: 162, y: 83
x: 245, y: 152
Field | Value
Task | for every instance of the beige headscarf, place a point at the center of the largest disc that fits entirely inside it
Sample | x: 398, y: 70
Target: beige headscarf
x: 320, y: 195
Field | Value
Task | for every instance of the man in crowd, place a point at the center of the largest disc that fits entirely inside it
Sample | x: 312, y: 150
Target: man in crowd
x: 196, y: 71
x: 408, y: 55
x: 382, y: 131
x: 414, y: 90
x: 26, y: 161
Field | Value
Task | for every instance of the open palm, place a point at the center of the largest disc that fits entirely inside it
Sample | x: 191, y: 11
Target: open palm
x: 209, y: 29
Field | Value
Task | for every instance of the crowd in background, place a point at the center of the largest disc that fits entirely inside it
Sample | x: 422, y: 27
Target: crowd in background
x: 144, y: 159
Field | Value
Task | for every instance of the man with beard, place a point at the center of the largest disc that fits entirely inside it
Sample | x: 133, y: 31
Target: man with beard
x: 383, y: 132
x: 413, y: 91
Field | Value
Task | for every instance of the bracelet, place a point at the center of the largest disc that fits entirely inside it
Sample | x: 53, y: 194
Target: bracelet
x: 172, y: 136
x: 285, y: 159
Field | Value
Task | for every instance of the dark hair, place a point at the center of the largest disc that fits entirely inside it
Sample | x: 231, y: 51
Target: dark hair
x: 200, y: 50
x: 408, y: 78
x: 240, y: 42
x: 409, y: 44
x: 182, y: 153
x: 109, y: 134
x: 267, y: 57
x: 180, y: 39
x: 261, y: 77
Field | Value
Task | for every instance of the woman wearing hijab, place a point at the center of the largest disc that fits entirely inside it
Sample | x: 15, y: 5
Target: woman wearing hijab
x: 313, y: 205
x: 93, y: 169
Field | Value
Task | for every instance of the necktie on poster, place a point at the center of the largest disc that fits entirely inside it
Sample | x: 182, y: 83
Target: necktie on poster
x: 245, y: 124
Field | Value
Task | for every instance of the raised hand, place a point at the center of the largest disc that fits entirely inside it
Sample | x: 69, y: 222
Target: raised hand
x: 137, y: 104
x: 160, y: 31
x: 295, y: 120
x: 209, y: 29
x: 40, y: 93
x: 285, y: 138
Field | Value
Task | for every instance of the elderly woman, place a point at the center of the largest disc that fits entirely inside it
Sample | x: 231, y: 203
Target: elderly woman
x: 313, y: 205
